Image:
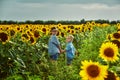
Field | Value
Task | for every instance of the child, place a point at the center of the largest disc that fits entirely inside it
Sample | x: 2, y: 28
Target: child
x: 54, y: 45
x: 70, y: 49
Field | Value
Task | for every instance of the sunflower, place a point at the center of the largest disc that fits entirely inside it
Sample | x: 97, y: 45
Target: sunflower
x: 32, y: 40
x: 36, y: 33
x: 1, y: 28
x: 111, y: 76
x: 109, y: 51
x: 4, y: 37
x: 44, y: 30
x: 59, y: 25
x: 93, y: 71
x: 18, y: 28
x: 58, y: 33
x: 6, y: 28
x: 68, y: 30
x: 62, y: 34
x: 25, y: 37
x: 12, y: 32
x: 72, y: 31
x: 116, y: 36
x: 29, y: 32
x: 71, y: 26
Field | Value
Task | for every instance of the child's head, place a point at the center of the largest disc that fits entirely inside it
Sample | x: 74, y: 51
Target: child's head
x: 54, y: 31
x: 69, y: 38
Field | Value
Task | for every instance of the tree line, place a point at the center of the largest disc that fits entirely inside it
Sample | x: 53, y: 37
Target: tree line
x: 83, y: 21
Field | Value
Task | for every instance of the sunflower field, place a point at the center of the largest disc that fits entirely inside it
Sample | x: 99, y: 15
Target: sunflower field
x: 24, y: 52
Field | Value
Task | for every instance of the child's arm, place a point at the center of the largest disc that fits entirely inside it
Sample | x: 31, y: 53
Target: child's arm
x: 59, y: 47
x: 63, y: 50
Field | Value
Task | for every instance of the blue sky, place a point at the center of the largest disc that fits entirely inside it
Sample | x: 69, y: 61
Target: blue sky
x: 22, y: 10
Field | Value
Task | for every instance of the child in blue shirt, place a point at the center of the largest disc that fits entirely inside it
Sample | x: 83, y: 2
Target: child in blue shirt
x: 54, y: 45
x: 70, y: 49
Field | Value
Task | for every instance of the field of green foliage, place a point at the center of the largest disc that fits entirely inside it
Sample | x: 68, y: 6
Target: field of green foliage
x: 24, y: 61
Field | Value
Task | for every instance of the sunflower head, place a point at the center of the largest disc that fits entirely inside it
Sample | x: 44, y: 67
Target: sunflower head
x: 32, y: 40
x: 36, y: 34
x: 44, y: 30
x: 12, y: 32
x: 25, y: 37
x: 116, y: 36
x: 62, y: 34
x: 71, y: 26
x: 109, y: 51
x: 93, y: 71
x: 4, y: 37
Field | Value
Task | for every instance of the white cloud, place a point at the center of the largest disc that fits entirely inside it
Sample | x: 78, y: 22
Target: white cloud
x: 34, y: 5
x: 91, y: 6
x: 108, y: 2
x: 48, y: 11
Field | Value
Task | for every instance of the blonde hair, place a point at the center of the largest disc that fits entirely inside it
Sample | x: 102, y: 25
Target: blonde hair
x: 71, y: 37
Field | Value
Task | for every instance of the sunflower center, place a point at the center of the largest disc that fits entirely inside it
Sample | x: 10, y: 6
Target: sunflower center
x: 36, y: 34
x: 109, y: 52
x: 116, y: 35
x: 25, y: 36
x: 44, y: 30
x: 12, y: 32
x: 62, y: 34
x: 3, y: 37
x: 32, y: 39
x: 68, y: 31
x: 93, y: 71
